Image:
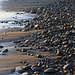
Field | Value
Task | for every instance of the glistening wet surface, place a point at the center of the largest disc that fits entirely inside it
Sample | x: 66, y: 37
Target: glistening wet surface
x: 8, y: 19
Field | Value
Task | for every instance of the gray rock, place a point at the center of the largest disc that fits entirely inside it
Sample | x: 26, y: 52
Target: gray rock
x: 25, y: 73
x: 19, y: 69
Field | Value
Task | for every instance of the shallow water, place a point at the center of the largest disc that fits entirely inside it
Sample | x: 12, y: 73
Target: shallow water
x: 10, y: 17
x: 7, y: 45
x: 7, y: 17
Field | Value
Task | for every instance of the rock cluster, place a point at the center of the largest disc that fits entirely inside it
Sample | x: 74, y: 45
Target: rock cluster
x: 57, y: 23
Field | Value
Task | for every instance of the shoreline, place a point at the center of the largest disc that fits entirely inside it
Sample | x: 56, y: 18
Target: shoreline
x: 42, y: 44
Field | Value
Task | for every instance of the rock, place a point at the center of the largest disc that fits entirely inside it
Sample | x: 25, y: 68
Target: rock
x: 59, y: 52
x: 25, y: 73
x: 19, y: 69
x: 1, y: 46
x: 36, y: 69
x: 24, y: 50
x: 39, y: 56
x: 67, y: 66
x: 27, y: 67
x: 6, y: 50
x: 36, y: 72
x: 17, y: 73
x: 1, y: 53
x: 50, y: 70
x: 36, y: 26
x: 18, y: 41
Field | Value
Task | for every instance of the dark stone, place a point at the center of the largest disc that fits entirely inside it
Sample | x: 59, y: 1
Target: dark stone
x: 1, y: 46
x: 67, y: 66
x: 50, y: 70
x: 36, y: 69
x: 24, y: 50
x: 39, y: 56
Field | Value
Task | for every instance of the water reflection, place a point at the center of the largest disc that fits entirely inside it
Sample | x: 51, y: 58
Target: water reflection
x: 7, y: 18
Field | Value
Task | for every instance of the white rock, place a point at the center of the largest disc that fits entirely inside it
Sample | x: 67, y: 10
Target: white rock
x: 25, y: 73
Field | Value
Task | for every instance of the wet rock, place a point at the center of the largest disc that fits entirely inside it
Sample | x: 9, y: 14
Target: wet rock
x: 39, y: 56
x: 1, y: 53
x: 18, y: 41
x: 36, y: 72
x: 59, y: 52
x: 27, y: 67
x: 36, y: 26
x: 6, y: 50
x: 67, y: 66
x: 1, y: 46
x: 50, y: 70
x: 25, y: 73
x: 33, y: 11
x: 19, y: 69
x: 17, y: 73
x: 24, y: 50
x: 36, y: 69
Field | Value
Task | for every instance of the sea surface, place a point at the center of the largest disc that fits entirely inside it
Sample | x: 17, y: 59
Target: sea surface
x: 8, y: 17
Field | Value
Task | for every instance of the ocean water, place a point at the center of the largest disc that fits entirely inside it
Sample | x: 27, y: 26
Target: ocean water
x: 11, y: 16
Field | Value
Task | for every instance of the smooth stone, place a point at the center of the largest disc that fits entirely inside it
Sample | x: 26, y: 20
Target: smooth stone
x: 25, y: 73
x: 16, y: 73
x: 67, y: 67
x: 1, y: 53
x: 24, y: 50
x: 19, y: 69
x: 36, y: 72
x: 1, y: 46
x: 27, y: 67
x: 49, y: 70
x: 6, y: 50
x: 59, y: 52
x: 36, y: 69
x: 39, y: 56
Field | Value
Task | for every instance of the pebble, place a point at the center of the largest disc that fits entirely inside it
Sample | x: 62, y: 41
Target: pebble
x: 36, y: 69
x: 25, y: 73
x: 19, y: 69
x: 67, y: 66
x: 39, y: 56
x: 1, y: 46
x: 50, y: 70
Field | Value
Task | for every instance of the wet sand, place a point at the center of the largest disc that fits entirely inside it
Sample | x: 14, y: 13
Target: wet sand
x: 12, y: 58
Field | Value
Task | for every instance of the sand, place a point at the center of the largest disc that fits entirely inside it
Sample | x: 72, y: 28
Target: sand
x: 13, y: 58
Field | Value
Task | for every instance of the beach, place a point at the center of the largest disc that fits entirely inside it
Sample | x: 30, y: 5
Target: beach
x: 40, y: 40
